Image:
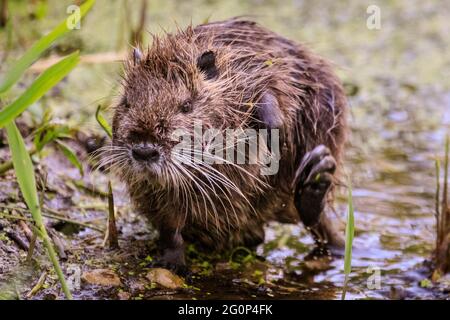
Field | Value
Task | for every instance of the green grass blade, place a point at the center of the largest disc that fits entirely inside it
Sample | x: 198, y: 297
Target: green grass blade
x: 46, y: 133
x: 70, y: 155
x: 24, y: 171
x: 25, y: 177
x: 103, y: 123
x: 16, y: 71
x: 349, y: 234
x: 40, y: 86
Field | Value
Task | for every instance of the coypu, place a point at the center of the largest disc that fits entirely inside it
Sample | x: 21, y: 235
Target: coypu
x: 229, y: 74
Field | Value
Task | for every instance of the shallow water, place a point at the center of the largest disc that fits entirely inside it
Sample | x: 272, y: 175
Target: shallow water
x: 400, y: 114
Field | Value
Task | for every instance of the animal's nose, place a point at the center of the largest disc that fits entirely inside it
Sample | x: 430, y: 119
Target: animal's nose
x: 145, y: 153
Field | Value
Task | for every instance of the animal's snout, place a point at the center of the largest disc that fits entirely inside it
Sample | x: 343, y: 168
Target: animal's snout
x: 145, y: 152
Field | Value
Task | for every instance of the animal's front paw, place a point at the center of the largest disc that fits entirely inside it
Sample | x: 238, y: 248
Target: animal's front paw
x: 316, y: 170
x: 312, y: 181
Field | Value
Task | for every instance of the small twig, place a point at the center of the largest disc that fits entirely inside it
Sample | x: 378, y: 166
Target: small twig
x: 60, y: 248
x: 81, y: 224
x: 32, y: 246
x: 444, y: 221
x: 443, y: 217
x: 26, y: 230
x: 38, y: 285
x: 96, y: 58
x: 93, y: 206
x: 137, y: 33
x: 437, y: 204
x: 90, y: 189
x: 52, y: 214
x: 113, y: 239
x: 14, y: 217
x: 344, y: 287
x: 17, y: 239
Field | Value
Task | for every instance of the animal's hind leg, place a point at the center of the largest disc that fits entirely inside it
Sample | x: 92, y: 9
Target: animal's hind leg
x: 313, y: 180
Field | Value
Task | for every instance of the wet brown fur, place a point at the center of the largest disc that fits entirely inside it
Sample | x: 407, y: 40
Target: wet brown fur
x: 250, y: 60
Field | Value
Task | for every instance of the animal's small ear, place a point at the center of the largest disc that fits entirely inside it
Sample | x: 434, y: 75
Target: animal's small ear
x: 267, y: 112
x: 207, y: 64
x: 137, y: 56
x: 267, y: 115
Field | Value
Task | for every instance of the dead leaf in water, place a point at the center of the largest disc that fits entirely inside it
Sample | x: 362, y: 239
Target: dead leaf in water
x: 124, y: 295
x: 102, y: 277
x: 165, y: 278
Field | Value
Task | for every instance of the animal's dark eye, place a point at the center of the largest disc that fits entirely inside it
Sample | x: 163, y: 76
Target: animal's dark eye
x: 207, y: 64
x: 186, y: 106
x: 136, y: 136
